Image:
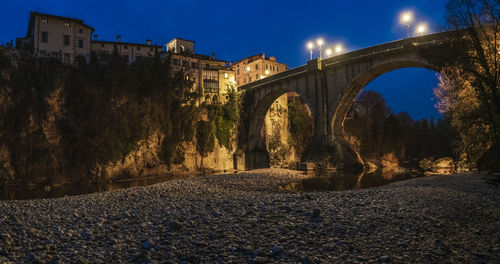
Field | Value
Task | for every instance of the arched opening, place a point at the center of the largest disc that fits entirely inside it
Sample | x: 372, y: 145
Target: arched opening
x: 215, y: 98
x: 207, y: 98
x: 280, y: 129
x: 393, y: 135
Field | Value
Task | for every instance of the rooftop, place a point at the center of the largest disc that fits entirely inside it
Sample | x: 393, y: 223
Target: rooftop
x: 62, y: 18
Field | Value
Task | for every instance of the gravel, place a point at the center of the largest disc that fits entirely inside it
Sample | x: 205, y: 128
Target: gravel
x: 247, y: 218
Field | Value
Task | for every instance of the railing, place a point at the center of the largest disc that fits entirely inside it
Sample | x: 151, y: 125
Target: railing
x: 432, y: 39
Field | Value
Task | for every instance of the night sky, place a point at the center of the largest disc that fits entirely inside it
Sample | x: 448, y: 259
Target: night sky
x: 237, y: 29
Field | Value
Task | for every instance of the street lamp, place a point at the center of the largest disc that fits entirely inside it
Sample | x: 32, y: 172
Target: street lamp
x: 320, y: 44
x: 421, y: 29
x: 338, y: 49
x: 310, y: 46
x: 329, y: 53
x: 406, y: 18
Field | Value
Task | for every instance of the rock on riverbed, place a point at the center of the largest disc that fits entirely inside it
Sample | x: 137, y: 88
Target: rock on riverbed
x: 246, y: 218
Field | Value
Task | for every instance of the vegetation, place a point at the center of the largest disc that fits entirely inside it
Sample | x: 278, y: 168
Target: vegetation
x: 469, y: 91
x: 378, y: 133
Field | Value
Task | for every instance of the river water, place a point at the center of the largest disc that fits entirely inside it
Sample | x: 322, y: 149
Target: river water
x: 338, y: 181
x: 33, y: 192
x: 328, y: 182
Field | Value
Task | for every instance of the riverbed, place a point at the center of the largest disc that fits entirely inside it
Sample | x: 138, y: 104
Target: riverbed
x: 247, y: 217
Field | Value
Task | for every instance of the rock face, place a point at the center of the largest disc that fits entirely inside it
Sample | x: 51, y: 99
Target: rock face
x: 275, y: 130
x: 145, y: 160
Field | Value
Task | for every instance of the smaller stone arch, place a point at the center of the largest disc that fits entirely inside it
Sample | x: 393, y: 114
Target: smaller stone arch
x: 215, y: 98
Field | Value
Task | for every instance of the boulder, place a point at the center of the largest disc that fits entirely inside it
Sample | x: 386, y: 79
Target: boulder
x: 389, y: 162
x: 425, y: 164
x: 444, y: 165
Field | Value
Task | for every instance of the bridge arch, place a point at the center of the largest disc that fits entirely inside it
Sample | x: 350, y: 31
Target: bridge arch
x: 360, y: 81
x: 256, y: 141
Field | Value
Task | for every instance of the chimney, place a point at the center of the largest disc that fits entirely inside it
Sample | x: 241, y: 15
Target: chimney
x: 148, y: 41
x: 95, y: 36
x: 213, y: 56
x: 118, y: 38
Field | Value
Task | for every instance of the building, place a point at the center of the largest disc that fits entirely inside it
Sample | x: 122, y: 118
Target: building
x: 255, y: 68
x: 130, y: 52
x: 210, y: 77
x: 64, y: 38
x: 69, y: 40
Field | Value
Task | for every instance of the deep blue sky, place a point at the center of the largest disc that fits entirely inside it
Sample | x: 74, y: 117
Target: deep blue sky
x: 237, y: 29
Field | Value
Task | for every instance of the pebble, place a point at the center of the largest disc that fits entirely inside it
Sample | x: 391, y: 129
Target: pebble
x: 246, y: 217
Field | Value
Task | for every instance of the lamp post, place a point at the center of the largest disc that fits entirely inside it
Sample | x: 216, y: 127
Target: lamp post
x: 320, y: 44
x: 406, y: 18
x: 310, y: 46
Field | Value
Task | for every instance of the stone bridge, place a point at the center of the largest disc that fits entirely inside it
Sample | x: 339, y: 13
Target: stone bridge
x: 329, y: 87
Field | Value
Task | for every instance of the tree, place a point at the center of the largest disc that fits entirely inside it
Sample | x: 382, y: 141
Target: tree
x: 472, y: 81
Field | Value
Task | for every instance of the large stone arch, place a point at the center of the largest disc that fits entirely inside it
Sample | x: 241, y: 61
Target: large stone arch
x: 262, y: 99
x: 364, y: 78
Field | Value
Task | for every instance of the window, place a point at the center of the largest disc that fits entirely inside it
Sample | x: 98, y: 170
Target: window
x: 256, y: 76
x: 150, y: 49
x: 226, y: 75
x: 45, y: 37
x: 238, y: 82
x: 66, y: 24
x: 102, y: 45
x: 66, y: 40
x: 185, y: 63
x: 256, y: 66
x: 175, y: 61
x: 138, y: 48
x: 249, y: 78
x: 211, y: 81
x: 194, y: 65
x: 44, y: 20
x: 80, y: 31
x: 80, y: 43
x: 125, y: 47
x: 267, y: 66
x: 138, y: 57
x: 245, y: 80
x: 194, y: 79
x: 238, y: 71
x: 125, y: 57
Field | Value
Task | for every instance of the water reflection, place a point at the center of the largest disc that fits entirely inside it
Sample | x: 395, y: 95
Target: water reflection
x: 33, y: 192
x: 338, y: 181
